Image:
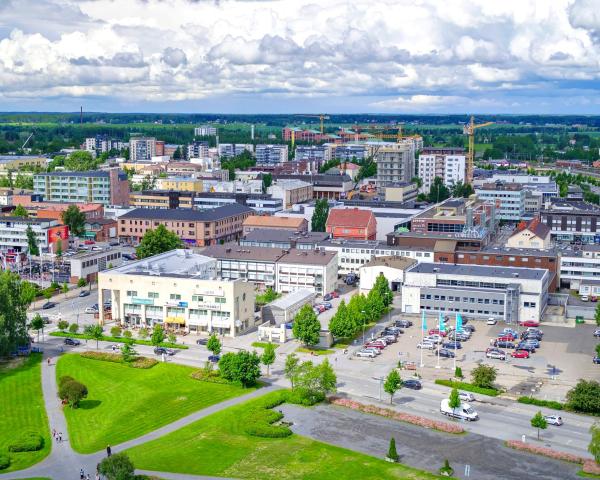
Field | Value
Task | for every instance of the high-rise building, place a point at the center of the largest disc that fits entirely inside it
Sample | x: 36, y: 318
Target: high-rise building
x: 205, y: 131
x: 271, y: 154
x: 142, y: 148
x: 449, y: 164
x: 395, y: 163
x: 197, y: 150
x: 318, y: 153
x: 229, y: 150
x: 102, y: 144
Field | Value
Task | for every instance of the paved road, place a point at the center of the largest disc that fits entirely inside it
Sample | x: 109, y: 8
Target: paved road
x: 423, y: 448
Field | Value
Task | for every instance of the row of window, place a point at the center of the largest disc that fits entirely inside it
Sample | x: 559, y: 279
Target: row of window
x: 451, y: 298
x: 481, y: 312
x: 175, y: 296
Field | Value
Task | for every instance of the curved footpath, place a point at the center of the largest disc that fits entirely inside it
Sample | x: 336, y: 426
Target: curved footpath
x: 64, y: 463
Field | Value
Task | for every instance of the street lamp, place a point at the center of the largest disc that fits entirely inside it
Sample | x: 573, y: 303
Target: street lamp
x: 363, y: 322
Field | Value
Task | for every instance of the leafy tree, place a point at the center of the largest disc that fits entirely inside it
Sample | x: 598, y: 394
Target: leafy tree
x: 438, y: 191
x: 319, y: 216
x: 382, y: 290
x: 95, y: 332
x: 80, y: 161
x: 71, y: 391
x: 392, y: 384
x: 484, y: 376
x: 342, y: 325
x: 20, y: 211
x: 290, y: 369
x: 375, y: 306
x: 127, y: 334
x: 117, y: 467
x: 32, y: 242
x: 115, y: 331
x: 47, y: 293
x: 73, y: 328
x: 172, y: 338
x: 242, y: 367
x: 81, y: 283
x: 62, y: 325
x: 213, y: 345
x: 143, y: 333
x: 584, y: 397
x: 538, y: 421
x: 306, y: 326
x: 356, y: 306
x: 597, y: 314
x: 128, y: 352
x: 75, y: 219
x: 267, y: 181
x: 37, y: 324
x: 454, y: 399
x: 157, y: 241
x: 594, y: 446
x: 24, y: 182
x: 462, y: 190
x: 458, y: 373
x: 392, y: 453
x: 314, y: 382
x: 158, y: 335
x: 177, y: 153
x: 268, y: 356
x: 64, y: 288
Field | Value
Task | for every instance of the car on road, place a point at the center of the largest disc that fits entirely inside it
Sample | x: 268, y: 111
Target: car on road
x: 464, y: 411
x: 596, y: 360
x: 492, y: 321
x: 597, y: 332
x: 164, y: 351
x: 452, y: 345
x: 403, y: 323
x: 412, y: 384
x: 48, y: 305
x: 466, y: 397
x: 84, y: 293
x: 554, y: 420
x: 214, y: 358
x: 91, y: 310
x: 529, y: 323
x: 202, y: 341
x: 520, y: 354
x: 446, y: 353
x: 72, y: 341
x: 426, y: 345
x: 366, y: 354
x: 496, y: 354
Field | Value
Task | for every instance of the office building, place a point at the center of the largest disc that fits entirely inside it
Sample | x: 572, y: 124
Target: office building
x: 198, y: 228
x: 230, y: 150
x: 449, y: 164
x: 180, y: 290
x: 11, y: 163
x: 324, y: 186
x: 271, y: 154
x: 508, y: 197
x: 291, y: 192
x: 86, y: 265
x: 205, y: 131
x: 95, y: 186
x: 395, y: 164
x: 290, y: 224
x: 401, y: 192
x: 260, y: 203
x: 391, y: 267
x: 579, y: 266
x: 161, y: 199
x: 572, y: 221
x: 183, y: 184
x: 284, y: 239
x: 142, y: 148
x: 52, y: 237
x: 503, y: 293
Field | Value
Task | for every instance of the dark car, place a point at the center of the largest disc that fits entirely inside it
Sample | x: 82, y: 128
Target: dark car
x: 202, y: 341
x: 214, y: 358
x: 412, y: 384
x: 596, y: 360
x: 72, y: 341
x: 163, y: 350
x: 84, y: 293
x: 525, y: 346
x: 530, y: 334
x: 327, y: 297
x: 403, y: 323
x: 446, y: 353
x: 470, y: 328
x: 501, y: 344
x: 597, y: 332
x: 48, y: 305
x: 532, y: 341
x: 393, y: 330
x: 452, y: 345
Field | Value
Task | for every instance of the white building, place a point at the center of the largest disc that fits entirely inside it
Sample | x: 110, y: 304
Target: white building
x: 179, y: 289
x: 205, y: 131
x: 579, y: 266
x: 141, y: 148
x: 392, y: 268
x: 197, y: 150
x: 291, y: 192
x: 229, y: 150
x: 312, y: 153
x: 509, y: 196
x: 86, y: 265
x: 271, y: 154
x: 446, y: 163
x: 13, y: 233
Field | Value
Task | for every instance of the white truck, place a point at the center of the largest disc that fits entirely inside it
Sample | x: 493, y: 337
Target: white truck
x: 464, y: 411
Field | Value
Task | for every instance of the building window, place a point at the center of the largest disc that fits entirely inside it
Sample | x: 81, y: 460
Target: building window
x: 197, y: 298
x: 152, y: 294
x: 219, y: 299
x: 131, y: 293
x: 175, y: 296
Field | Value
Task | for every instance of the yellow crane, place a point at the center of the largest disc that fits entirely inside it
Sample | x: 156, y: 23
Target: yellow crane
x: 469, y: 129
x: 321, y: 117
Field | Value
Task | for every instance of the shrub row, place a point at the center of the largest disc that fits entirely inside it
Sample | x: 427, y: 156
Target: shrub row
x: 403, y: 417
x: 541, y: 403
x: 261, y: 417
x: 591, y: 467
x: 4, y: 461
x: 108, y: 338
x: 547, y: 452
x: 211, y: 376
x: 139, y: 362
x: 469, y: 387
x: 27, y: 442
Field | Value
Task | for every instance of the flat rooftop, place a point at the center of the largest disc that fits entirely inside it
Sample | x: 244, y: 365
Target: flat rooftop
x: 402, y: 263
x: 371, y: 244
x: 308, y: 257
x: 279, y: 236
x: 174, y: 263
x: 186, y: 214
x: 235, y: 252
x: 480, y: 271
x: 292, y: 298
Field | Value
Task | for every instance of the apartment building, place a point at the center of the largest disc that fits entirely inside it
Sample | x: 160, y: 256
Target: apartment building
x: 197, y: 228
x: 197, y: 149
x: 504, y: 293
x: 163, y: 199
x: 290, y: 224
x: 271, y: 154
x: 449, y: 164
x: 205, y: 131
x: 283, y: 239
x: 331, y: 187
x: 106, y: 187
x: 348, y: 152
x: 180, y: 290
x: 291, y: 192
x: 572, y: 221
x: 260, y: 203
x: 103, y: 144
x: 230, y: 150
x: 142, y: 148
x: 401, y: 192
x: 182, y: 184
x: 351, y: 224
x: 313, y: 153
x: 578, y: 266
x: 532, y: 234
x: 508, y: 197
x: 395, y: 164
x: 50, y: 234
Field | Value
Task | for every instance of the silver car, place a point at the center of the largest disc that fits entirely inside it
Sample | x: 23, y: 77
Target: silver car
x: 365, y: 354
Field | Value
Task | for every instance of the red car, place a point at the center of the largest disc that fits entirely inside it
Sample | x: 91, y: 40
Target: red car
x: 520, y: 354
x: 378, y: 345
x: 506, y: 338
x: 435, y: 331
x: 89, y: 242
x: 335, y: 294
x: 529, y: 323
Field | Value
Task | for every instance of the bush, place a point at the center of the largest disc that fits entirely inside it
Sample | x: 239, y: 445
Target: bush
x: 547, y: 452
x: 117, y: 467
x: 73, y: 328
x: 115, y: 331
x: 127, y: 334
x: 541, y: 403
x: 210, y: 376
x: 4, y: 461
x: 584, y: 397
x: 106, y: 338
x: 71, y: 391
x: 260, y: 419
x: 139, y: 362
x: 492, y: 392
x: 81, y: 282
x: 307, y: 398
x: 484, y: 376
x: 27, y: 442
x: 64, y: 380
x: 446, y: 470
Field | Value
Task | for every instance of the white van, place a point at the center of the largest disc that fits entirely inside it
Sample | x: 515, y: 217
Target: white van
x: 464, y: 411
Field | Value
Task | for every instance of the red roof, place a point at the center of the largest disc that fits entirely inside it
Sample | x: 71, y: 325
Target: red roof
x: 350, y: 217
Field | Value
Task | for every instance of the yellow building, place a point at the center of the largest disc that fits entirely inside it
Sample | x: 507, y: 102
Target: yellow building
x: 182, y: 184
x: 17, y: 162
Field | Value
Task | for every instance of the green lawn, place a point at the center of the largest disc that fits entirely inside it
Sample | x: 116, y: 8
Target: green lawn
x: 22, y: 408
x: 125, y: 402
x: 218, y: 445
x: 263, y: 344
x: 316, y: 351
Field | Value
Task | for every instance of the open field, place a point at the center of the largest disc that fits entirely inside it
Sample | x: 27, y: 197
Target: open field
x: 22, y: 409
x: 124, y: 402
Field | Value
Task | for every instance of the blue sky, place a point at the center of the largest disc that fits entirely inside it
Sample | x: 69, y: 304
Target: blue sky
x: 330, y: 56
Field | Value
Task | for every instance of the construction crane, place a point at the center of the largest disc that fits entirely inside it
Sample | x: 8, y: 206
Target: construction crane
x: 27, y: 141
x: 469, y: 129
x: 321, y: 117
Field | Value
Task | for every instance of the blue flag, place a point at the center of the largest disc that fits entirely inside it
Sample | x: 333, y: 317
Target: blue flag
x: 441, y: 322
x: 423, y: 321
x: 459, y: 323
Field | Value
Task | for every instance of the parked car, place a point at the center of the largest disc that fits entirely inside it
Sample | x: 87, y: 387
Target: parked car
x: 511, y: 331
x: 412, y: 384
x: 72, y: 341
x: 84, y: 293
x: 163, y: 350
x: 452, y: 345
x: 48, y: 305
x: 327, y: 305
x: 446, y: 353
x: 396, y: 330
x: 535, y: 330
x: 426, y: 345
x: 525, y: 346
x: 466, y: 396
x: 376, y: 351
x: 335, y: 294
x: 436, y: 331
x: 434, y: 339
x: 597, y: 332
x: 390, y: 338
x: 89, y: 242
x: 403, y: 323
x: 492, y: 321
x: 214, y: 358
x: 532, y: 335
x: 529, y: 323
x: 379, y: 346
x: 327, y: 296
x: 532, y: 341
x: 554, y: 420
x: 520, y: 354
x: 596, y: 360
x: 496, y: 354
x: 91, y: 310
x: 469, y: 328
x: 502, y: 344
x: 505, y: 338
x: 365, y: 354
x: 202, y: 341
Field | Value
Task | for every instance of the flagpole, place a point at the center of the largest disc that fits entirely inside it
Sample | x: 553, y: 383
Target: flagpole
x: 438, y: 344
x: 422, y: 336
x: 455, y: 332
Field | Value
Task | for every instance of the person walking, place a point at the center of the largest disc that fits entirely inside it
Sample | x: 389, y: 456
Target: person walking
x: 48, y: 361
x: 108, y: 451
x: 81, y: 474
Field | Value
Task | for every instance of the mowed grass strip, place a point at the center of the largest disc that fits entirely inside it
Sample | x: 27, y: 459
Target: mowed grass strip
x: 22, y: 408
x: 218, y: 445
x: 124, y: 402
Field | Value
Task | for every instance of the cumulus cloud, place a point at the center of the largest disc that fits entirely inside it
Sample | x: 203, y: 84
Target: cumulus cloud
x: 442, y: 56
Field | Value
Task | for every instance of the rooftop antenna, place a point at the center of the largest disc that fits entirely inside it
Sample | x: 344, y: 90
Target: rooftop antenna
x: 81, y: 115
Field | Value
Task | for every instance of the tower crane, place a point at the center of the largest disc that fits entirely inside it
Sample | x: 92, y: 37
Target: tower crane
x: 469, y: 129
x: 321, y: 117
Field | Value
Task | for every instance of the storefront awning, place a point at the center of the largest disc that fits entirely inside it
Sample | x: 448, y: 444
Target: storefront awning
x: 176, y: 320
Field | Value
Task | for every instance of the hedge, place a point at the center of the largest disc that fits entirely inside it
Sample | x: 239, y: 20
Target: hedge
x: 108, y: 338
x: 211, y: 376
x: 469, y: 387
x: 4, y: 461
x: 138, y: 362
x: 261, y: 418
x: 541, y: 403
x: 27, y: 442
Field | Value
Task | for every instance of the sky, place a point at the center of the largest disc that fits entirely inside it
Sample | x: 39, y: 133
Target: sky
x: 301, y: 56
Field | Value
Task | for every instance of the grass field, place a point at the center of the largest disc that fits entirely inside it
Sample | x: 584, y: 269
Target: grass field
x: 124, y: 402
x: 22, y: 409
x: 218, y: 445
x: 263, y: 344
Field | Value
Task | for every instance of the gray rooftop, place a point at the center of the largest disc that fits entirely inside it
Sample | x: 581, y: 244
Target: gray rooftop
x: 186, y: 214
x: 10, y: 158
x: 174, y: 263
x: 480, y: 271
x: 88, y: 173
x: 293, y: 298
x: 371, y: 244
x: 280, y: 236
x: 560, y: 205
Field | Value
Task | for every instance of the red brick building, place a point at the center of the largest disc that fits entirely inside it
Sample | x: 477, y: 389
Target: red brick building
x: 351, y: 224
